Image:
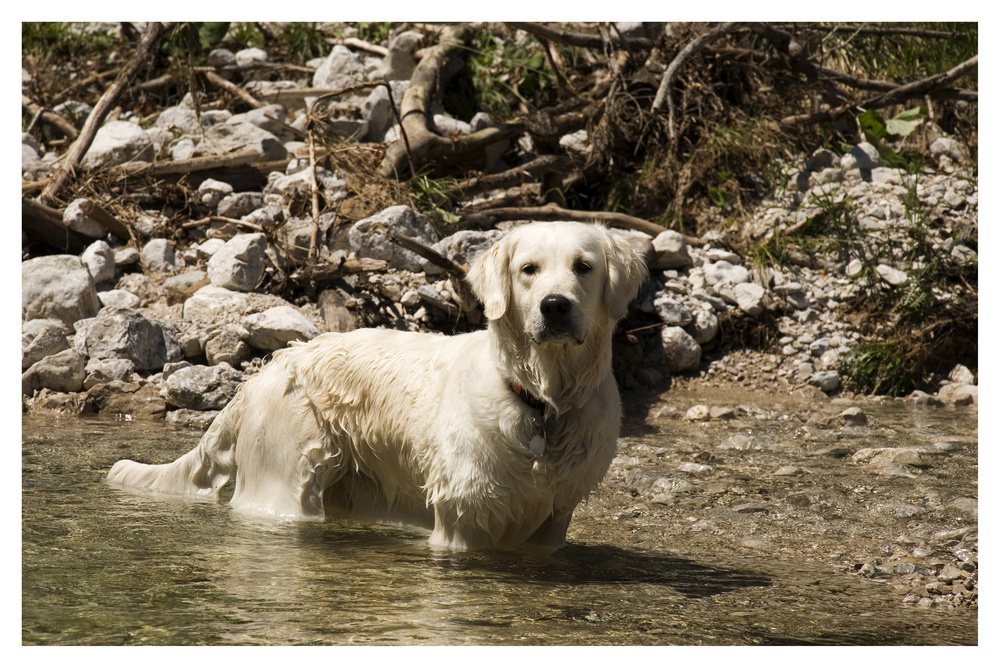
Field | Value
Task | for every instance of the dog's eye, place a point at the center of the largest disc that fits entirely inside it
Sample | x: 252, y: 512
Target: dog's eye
x: 529, y: 269
x: 580, y: 267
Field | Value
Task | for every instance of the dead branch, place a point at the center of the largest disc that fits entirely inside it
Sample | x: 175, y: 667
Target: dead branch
x: 419, y: 144
x: 49, y: 117
x: 143, y: 53
x: 663, y: 93
x: 515, y: 176
x: 325, y: 273
x: 427, y: 253
x: 555, y: 212
x: 46, y: 224
x: 856, y: 29
x: 106, y: 219
x: 579, y: 39
x: 930, y: 86
x: 233, y: 89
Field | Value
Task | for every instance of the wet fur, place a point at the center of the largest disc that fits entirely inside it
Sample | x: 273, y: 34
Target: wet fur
x: 424, y: 428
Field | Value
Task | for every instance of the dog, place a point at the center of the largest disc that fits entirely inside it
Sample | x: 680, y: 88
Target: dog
x: 488, y: 439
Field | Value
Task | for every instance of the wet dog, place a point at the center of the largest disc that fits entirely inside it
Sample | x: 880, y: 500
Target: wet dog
x: 488, y: 439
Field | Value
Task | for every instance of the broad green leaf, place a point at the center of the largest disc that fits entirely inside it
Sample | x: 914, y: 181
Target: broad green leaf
x: 906, y: 122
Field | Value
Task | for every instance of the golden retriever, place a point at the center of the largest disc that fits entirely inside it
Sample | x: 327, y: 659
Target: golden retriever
x: 488, y: 439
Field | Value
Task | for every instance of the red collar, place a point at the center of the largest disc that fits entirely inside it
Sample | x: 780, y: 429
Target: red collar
x: 525, y: 396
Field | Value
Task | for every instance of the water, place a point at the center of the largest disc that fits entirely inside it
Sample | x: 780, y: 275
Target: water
x: 102, y: 566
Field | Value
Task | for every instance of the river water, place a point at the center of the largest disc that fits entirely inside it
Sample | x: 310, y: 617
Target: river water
x: 102, y: 566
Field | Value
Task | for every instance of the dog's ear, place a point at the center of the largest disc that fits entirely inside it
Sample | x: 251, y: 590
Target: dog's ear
x: 489, y: 277
x: 626, y: 273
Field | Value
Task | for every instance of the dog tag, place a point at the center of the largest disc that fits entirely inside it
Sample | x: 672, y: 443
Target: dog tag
x: 537, y: 445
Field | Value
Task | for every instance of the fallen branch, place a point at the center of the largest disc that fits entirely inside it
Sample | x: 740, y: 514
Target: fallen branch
x: 579, y: 39
x: 108, y: 221
x: 46, y: 224
x: 143, y: 53
x: 428, y: 253
x: 49, y: 117
x: 228, y: 86
x: 555, y: 212
x: 930, y: 86
x: 515, y: 176
x: 419, y: 144
x: 663, y: 93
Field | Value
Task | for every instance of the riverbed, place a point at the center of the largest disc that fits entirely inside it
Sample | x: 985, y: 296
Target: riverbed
x: 761, y: 526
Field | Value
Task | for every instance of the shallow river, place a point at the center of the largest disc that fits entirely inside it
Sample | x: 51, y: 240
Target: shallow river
x: 101, y: 566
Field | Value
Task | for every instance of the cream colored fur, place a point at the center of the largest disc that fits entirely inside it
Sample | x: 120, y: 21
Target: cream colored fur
x: 424, y: 428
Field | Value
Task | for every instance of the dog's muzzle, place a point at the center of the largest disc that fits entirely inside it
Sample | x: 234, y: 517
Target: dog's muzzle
x: 558, y: 320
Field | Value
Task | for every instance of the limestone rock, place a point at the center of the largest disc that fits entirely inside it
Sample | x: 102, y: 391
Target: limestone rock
x: 276, y: 327
x: 239, y: 264
x: 202, y: 388
x: 57, y: 286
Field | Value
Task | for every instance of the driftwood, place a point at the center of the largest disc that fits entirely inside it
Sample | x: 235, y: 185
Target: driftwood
x: 39, y: 114
x: 46, y: 224
x: 515, y: 176
x: 916, y: 89
x: 579, y: 39
x: 419, y: 144
x: 228, y: 86
x: 663, y: 93
x: 110, y: 222
x: 143, y: 53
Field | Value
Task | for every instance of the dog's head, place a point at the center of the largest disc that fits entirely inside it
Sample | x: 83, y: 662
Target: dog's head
x: 558, y: 280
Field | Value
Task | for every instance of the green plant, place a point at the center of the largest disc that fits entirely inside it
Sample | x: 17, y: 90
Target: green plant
x: 433, y: 197
x: 304, y: 39
x: 879, y: 368
x: 373, y: 32
x: 879, y: 131
x: 48, y: 40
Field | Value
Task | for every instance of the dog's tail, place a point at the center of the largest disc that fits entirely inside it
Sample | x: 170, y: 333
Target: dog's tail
x: 202, y: 471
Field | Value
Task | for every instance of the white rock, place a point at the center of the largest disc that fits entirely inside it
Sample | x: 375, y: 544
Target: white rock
x: 370, y: 238
x: 100, y: 261
x: 116, y: 143
x: 682, y: 352
x: 749, y: 297
x: 158, y: 256
x: 211, y: 192
x: 57, y: 286
x: 250, y: 57
x: 80, y: 222
x: 107, y: 370
x: 201, y: 387
x: 276, y: 327
x: 126, y: 334
x: 62, y: 372
x: 118, y: 299
x: 212, y: 304
x: 862, y: 156
x: 725, y: 272
x: 49, y: 341
x: 340, y: 69
x: 891, y: 275
x: 240, y: 137
x: 705, y: 326
x: 239, y: 264
x: 670, y: 251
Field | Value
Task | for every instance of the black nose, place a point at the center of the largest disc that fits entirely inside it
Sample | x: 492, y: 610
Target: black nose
x: 555, y: 307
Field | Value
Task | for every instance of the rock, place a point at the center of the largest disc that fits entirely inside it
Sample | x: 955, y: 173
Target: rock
x: 947, y: 147
x: 238, y: 205
x: 698, y: 413
x: 464, y: 246
x: 370, y: 238
x: 49, y: 341
x: 127, y: 400
x: 116, y: 143
x: 725, y: 272
x: 241, y: 137
x: 228, y: 346
x: 919, y: 398
x: 276, y: 327
x: 78, y: 221
x: 672, y: 312
x: 250, y: 57
x: 862, y: 156
x: 125, y: 256
x: 377, y: 109
x: 705, y: 326
x: 749, y: 297
x: 681, y: 350
x: 721, y: 413
x: 57, y: 286
x: 202, y: 388
x: 212, y: 192
x: 400, y: 61
x: 220, y: 58
x: 827, y: 381
x: 961, y: 375
x: 127, y: 334
x: 239, y: 264
x: 100, y: 261
x: 62, y: 372
x: 891, y: 275
x: 340, y: 69
x: 158, y: 256
x: 854, y: 416
x: 821, y: 159
x: 877, y: 456
x: 211, y: 304
x: 99, y: 372
x: 576, y: 142
x: 186, y: 284
x: 959, y: 395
